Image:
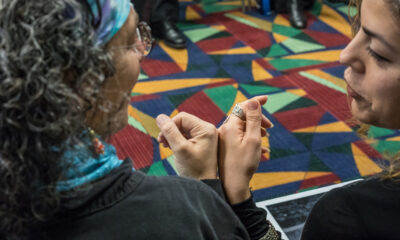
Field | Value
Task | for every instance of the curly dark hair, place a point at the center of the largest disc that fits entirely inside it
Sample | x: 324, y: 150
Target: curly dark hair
x: 51, y: 72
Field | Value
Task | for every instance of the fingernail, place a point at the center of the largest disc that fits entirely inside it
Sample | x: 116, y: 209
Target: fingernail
x: 253, y: 105
x: 265, y: 150
x: 272, y: 125
x: 161, y: 119
x: 266, y: 133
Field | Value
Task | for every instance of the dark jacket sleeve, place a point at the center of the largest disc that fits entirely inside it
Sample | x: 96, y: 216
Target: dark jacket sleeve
x: 252, y: 217
x: 332, y: 217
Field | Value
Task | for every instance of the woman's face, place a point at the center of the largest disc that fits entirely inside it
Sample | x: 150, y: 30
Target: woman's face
x: 117, y: 89
x: 373, y: 60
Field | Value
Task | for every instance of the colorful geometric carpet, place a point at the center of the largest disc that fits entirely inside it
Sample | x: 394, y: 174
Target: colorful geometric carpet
x: 232, y: 56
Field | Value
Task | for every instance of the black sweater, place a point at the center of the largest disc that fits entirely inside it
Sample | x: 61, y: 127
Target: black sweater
x: 368, y: 209
x: 131, y: 205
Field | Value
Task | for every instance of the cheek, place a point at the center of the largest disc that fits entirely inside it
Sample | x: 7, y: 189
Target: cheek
x: 129, y: 69
x: 134, y: 67
x: 385, y: 98
x: 384, y: 89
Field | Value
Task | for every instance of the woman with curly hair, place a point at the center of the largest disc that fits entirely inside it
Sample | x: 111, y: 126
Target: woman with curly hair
x: 367, y: 209
x: 67, y: 68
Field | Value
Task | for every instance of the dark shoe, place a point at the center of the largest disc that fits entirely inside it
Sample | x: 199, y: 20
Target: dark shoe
x: 297, y: 16
x: 168, y: 32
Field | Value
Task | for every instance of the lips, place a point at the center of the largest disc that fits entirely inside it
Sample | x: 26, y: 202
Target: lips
x: 353, y: 93
x: 350, y: 91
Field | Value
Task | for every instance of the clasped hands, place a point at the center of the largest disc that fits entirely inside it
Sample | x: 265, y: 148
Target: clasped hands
x: 234, y: 149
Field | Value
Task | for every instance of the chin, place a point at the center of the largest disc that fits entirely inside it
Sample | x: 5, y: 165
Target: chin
x: 365, y: 117
x: 362, y: 112
x: 371, y: 119
x: 388, y: 124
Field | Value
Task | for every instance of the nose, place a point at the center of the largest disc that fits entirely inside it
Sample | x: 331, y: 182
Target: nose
x: 352, y: 55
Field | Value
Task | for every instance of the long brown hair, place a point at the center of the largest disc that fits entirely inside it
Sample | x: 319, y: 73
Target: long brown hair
x: 392, y: 170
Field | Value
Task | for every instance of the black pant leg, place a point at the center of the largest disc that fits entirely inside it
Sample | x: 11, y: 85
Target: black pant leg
x: 164, y: 10
x: 280, y: 5
x: 307, y: 4
x: 152, y: 11
x: 140, y: 9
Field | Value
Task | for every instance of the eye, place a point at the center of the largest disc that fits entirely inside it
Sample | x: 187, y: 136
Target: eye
x: 378, y: 58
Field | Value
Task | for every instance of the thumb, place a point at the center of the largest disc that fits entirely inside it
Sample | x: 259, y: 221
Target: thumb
x: 253, y: 120
x: 170, y: 131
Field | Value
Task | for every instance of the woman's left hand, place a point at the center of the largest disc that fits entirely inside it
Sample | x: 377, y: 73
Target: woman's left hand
x: 194, y: 143
x: 240, y: 148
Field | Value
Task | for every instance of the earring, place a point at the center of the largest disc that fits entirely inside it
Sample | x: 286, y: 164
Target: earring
x: 98, y: 146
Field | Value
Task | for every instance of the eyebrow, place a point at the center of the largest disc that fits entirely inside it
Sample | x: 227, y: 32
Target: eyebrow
x: 378, y: 37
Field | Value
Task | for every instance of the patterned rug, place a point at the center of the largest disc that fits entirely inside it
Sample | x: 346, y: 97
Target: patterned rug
x: 233, y: 56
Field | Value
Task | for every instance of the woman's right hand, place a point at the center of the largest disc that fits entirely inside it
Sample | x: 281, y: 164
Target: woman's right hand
x: 240, y: 149
x: 194, y: 143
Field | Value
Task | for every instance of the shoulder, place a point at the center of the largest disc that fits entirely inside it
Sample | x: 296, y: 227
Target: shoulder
x: 182, y: 203
x: 168, y: 207
x: 355, y: 211
x: 183, y: 195
x: 334, y: 216
x: 366, y: 190
x: 179, y: 192
x: 331, y: 204
x: 175, y: 184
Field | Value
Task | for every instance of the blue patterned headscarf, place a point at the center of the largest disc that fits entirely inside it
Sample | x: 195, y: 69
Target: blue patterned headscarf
x: 114, y: 14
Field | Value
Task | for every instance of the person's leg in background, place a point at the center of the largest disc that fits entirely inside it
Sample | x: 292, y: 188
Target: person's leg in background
x: 295, y: 9
x: 162, y: 16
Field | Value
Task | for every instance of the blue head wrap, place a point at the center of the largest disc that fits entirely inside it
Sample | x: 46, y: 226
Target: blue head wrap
x: 114, y: 14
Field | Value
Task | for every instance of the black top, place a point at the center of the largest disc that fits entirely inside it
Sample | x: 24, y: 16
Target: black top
x: 131, y: 205
x: 368, y: 209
